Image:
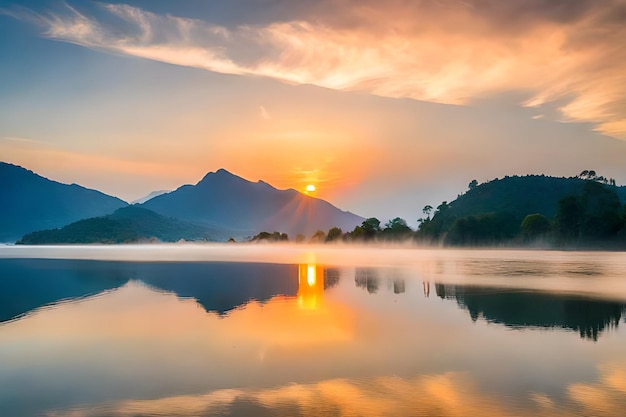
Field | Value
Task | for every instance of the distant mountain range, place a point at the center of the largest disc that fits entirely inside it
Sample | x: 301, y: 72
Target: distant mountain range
x: 247, y: 208
x: 30, y: 202
x: 220, y: 206
x: 149, y: 196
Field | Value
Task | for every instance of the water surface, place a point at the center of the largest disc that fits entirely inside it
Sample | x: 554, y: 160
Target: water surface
x: 334, y: 331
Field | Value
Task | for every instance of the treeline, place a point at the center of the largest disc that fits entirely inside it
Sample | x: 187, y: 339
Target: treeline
x: 370, y: 230
x: 579, y: 211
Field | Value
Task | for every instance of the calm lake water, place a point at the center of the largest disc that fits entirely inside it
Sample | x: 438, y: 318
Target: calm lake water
x: 235, y: 330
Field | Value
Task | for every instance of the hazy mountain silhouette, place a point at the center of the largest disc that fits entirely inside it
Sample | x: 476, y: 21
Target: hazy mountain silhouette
x: 227, y: 200
x: 125, y: 225
x: 149, y: 196
x: 28, y: 284
x: 519, y: 309
x: 31, y: 202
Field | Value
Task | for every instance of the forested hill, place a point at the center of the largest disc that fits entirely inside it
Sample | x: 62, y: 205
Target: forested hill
x: 573, y: 210
x: 520, y: 196
x: 126, y: 225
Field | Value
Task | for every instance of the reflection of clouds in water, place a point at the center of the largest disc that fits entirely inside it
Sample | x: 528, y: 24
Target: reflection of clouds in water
x: 449, y: 394
x: 607, y: 397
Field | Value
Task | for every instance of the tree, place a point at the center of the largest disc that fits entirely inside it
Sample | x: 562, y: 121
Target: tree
x: 334, y: 233
x: 568, y: 217
x: 271, y: 237
x: 473, y: 184
x: 534, y: 226
x: 355, y: 235
x: 371, y: 227
x: 318, y: 236
x: 397, y: 229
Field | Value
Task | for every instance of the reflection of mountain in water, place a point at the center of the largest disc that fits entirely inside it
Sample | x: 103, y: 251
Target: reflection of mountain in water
x: 517, y: 309
x: 27, y: 284
x: 221, y: 287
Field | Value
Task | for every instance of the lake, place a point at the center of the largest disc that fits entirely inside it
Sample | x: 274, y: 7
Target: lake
x: 296, y: 330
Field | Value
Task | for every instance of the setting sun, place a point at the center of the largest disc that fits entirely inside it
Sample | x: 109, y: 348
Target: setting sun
x: 310, y: 188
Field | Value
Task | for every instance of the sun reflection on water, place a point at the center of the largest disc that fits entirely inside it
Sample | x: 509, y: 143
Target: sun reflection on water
x: 310, y: 286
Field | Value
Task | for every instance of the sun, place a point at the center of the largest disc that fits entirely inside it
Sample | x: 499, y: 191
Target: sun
x: 310, y: 188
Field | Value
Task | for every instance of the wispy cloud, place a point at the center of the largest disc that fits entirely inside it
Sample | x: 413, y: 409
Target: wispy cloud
x: 442, y: 51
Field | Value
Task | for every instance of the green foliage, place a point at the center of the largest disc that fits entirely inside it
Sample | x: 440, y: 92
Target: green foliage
x: 334, y: 234
x: 318, y: 236
x: 593, y: 214
x: 487, y: 229
x: 535, y: 226
x: 371, y: 227
x: 591, y: 209
x: 433, y: 229
x: 473, y: 184
x: 271, y: 237
x: 126, y: 225
x: 396, y: 229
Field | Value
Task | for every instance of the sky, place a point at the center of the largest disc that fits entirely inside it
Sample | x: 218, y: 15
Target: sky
x: 384, y: 106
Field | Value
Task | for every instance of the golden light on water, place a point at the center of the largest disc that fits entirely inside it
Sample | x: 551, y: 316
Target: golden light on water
x: 310, y: 286
x: 310, y: 275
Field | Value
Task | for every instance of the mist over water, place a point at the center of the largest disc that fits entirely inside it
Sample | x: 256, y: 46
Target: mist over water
x: 594, y: 272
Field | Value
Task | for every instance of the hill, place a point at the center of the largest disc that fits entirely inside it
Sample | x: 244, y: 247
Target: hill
x: 125, y: 225
x: 224, y: 199
x: 31, y: 202
x: 519, y: 196
x: 493, y: 211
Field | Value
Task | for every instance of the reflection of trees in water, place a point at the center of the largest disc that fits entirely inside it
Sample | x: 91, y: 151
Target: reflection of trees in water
x: 331, y: 278
x: 399, y: 286
x: 520, y: 309
x: 367, y: 278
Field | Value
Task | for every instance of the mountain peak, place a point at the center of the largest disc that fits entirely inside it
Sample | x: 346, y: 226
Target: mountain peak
x: 225, y: 199
x: 220, y: 174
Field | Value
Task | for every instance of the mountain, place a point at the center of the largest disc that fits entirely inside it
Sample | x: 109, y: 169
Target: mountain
x: 150, y: 196
x: 125, y: 225
x: 224, y: 199
x: 31, y: 202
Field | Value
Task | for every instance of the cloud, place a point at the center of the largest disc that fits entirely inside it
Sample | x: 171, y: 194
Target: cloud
x: 264, y: 113
x: 442, y: 51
